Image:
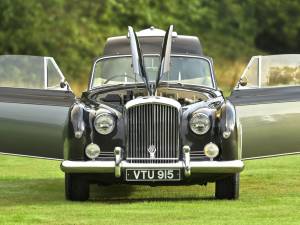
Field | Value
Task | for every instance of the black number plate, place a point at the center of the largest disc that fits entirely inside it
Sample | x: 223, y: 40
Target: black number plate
x: 152, y: 174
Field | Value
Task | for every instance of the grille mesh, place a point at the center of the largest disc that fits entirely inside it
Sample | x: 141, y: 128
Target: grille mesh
x: 152, y: 128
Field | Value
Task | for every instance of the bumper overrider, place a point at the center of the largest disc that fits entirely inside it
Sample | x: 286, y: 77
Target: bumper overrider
x: 118, y: 165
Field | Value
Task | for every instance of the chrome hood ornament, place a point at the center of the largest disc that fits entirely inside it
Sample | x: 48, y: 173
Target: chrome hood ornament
x: 152, y: 150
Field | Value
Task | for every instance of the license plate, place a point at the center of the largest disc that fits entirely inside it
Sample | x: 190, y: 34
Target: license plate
x: 152, y: 174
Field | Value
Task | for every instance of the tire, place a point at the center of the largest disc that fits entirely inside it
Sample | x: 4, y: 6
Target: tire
x: 76, y: 188
x: 228, y: 188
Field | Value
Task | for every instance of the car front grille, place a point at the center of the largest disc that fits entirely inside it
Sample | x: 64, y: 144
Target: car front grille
x: 152, y: 133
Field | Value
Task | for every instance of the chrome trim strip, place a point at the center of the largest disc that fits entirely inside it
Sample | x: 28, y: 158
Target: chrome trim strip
x: 240, y: 137
x: 130, y: 158
x: 151, y: 100
x: 29, y: 156
x: 45, y: 73
x: 259, y: 71
x: 220, y: 167
x: 270, y: 156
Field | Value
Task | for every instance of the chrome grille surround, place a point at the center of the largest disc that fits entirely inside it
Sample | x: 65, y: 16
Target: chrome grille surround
x: 152, y: 125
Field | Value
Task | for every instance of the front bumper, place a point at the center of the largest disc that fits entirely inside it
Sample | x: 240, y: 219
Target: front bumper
x: 216, y: 167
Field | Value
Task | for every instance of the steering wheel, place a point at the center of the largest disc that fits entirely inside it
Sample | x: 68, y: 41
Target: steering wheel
x: 113, y: 77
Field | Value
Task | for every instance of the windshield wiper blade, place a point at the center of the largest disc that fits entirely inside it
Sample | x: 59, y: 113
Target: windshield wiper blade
x: 165, y: 56
x: 171, y: 82
x: 137, y: 58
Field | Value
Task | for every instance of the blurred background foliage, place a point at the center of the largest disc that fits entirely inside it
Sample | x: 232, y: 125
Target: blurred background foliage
x: 74, y: 31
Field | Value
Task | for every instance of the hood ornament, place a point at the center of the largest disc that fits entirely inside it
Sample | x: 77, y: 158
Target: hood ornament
x: 152, y: 150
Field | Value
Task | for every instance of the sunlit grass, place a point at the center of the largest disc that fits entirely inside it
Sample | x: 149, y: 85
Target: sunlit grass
x: 32, y: 192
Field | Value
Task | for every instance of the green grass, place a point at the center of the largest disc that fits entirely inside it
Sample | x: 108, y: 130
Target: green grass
x: 32, y: 192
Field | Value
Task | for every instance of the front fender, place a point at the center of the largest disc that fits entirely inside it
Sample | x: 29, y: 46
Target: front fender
x: 229, y: 133
x: 74, y: 150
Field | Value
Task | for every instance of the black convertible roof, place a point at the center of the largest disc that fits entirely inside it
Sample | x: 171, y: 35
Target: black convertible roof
x: 151, y: 42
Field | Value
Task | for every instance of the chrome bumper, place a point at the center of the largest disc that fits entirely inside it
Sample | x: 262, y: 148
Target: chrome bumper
x: 218, y: 167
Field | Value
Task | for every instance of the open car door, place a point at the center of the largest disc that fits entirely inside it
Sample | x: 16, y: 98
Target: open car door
x: 34, y: 107
x: 267, y: 101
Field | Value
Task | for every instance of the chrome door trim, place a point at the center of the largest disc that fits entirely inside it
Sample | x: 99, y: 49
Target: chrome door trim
x: 269, y: 156
x: 29, y: 156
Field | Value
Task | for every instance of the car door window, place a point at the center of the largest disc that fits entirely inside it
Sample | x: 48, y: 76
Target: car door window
x: 280, y: 70
x: 54, y: 76
x: 22, y: 71
x: 251, y: 73
x: 31, y: 72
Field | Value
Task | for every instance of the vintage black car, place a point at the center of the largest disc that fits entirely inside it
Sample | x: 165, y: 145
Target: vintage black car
x: 152, y: 114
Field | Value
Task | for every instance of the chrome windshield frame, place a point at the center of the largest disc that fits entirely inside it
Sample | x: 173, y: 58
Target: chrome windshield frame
x: 212, y: 74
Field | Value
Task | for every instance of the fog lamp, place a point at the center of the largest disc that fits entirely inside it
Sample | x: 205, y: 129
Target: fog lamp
x: 211, y: 150
x: 92, y: 151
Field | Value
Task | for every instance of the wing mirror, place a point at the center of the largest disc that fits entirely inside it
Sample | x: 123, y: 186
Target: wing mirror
x: 64, y: 84
x: 243, y: 81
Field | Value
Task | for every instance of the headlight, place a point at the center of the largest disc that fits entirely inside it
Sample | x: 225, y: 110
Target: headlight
x: 104, y: 123
x: 199, y: 123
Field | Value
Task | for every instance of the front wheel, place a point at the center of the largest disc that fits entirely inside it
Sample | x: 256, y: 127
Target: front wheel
x: 76, y: 188
x: 228, y: 188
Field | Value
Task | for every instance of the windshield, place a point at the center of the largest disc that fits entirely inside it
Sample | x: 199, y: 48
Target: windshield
x: 184, y: 69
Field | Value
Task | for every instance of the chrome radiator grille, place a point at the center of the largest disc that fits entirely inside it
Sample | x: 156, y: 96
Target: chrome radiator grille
x: 152, y: 133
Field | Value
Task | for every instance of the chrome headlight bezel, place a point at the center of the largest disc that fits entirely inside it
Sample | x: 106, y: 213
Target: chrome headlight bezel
x: 203, y: 120
x: 110, y: 121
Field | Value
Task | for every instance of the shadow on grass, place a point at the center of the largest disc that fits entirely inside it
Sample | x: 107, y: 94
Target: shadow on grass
x: 51, y: 191
x: 156, y: 199
x: 116, y: 194
x: 31, y: 191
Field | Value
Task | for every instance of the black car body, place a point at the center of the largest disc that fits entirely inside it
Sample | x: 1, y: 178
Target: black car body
x: 152, y: 114
x: 152, y: 141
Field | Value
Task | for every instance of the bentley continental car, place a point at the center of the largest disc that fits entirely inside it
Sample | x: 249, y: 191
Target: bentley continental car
x: 152, y: 114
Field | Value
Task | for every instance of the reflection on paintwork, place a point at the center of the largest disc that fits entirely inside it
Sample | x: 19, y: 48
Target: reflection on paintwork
x: 40, y: 134
x: 270, y: 128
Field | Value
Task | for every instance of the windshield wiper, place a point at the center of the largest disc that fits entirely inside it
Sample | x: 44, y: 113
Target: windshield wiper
x: 172, y: 82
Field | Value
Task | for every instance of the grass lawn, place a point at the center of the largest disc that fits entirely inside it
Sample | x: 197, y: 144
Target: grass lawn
x: 32, y: 192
